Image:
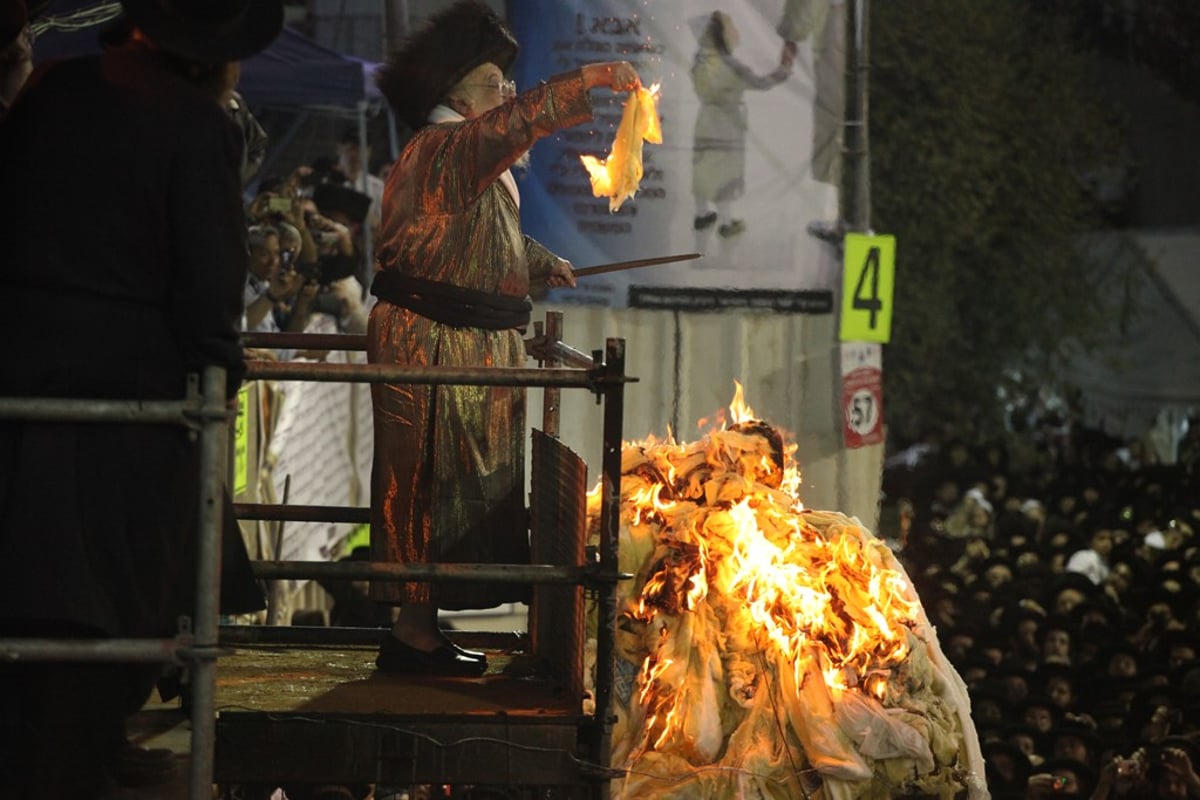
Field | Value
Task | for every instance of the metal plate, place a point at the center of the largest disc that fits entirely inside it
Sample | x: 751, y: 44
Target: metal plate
x: 558, y: 531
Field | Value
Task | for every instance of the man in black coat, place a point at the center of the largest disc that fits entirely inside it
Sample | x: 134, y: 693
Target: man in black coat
x: 124, y: 238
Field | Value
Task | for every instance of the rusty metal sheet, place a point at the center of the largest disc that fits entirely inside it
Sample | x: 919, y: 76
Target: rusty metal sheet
x: 558, y: 531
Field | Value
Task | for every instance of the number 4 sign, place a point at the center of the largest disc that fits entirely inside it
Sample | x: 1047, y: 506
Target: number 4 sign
x: 869, y: 276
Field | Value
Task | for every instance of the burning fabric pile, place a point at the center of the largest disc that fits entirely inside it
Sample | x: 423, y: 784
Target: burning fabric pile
x: 769, y: 651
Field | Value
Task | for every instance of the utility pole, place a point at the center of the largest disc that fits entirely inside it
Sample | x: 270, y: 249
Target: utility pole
x: 856, y: 203
x: 855, y: 216
x: 396, y: 23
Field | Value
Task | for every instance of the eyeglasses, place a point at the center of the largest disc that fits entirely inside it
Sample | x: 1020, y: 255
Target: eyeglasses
x: 505, y: 88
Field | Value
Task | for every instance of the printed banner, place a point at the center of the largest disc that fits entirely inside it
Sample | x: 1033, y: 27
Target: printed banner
x: 751, y: 103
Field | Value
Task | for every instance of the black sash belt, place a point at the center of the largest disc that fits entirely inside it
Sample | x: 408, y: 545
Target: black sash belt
x: 450, y: 304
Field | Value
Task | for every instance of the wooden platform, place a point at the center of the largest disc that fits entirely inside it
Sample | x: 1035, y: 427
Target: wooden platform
x: 317, y: 714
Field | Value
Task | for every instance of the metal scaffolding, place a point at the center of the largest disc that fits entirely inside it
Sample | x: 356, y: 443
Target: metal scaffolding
x: 201, y: 640
x: 204, y: 412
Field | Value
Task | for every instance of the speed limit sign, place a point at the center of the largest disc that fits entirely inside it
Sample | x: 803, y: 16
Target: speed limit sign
x: 862, y: 394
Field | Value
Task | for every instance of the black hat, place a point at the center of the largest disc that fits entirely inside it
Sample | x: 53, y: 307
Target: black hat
x: 1080, y: 730
x: 208, y: 31
x: 14, y: 15
x: 1073, y: 580
x: 994, y: 753
x: 350, y: 135
x: 331, y: 197
x: 1050, y: 669
x: 426, y: 66
x: 1084, y: 775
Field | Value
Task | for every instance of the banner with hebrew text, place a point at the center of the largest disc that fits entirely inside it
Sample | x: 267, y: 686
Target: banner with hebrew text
x: 751, y: 102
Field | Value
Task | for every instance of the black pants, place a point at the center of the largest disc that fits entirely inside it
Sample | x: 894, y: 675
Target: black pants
x: 61, y: 723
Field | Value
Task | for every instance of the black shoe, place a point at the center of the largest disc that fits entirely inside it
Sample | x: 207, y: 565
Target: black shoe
x: 474, y: 655
x: 398, y: 658
x: 704, y: 221
x: 732, y: 228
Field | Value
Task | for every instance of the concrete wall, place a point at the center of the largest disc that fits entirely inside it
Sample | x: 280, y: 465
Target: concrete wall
x: 686, y: 364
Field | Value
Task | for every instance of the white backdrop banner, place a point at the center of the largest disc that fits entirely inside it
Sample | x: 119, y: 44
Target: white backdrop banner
x: 318, y: 452
x: 751, y: 150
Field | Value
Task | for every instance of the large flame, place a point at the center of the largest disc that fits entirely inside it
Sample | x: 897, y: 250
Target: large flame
x: 618, y: 176
x: 750, y: 614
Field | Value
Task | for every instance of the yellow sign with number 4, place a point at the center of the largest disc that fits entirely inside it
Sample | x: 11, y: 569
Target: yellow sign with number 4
x: 868, y: 281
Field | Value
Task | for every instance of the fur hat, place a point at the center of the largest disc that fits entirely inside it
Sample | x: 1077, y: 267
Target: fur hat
x: 422, y: 70
x: 208, y: 31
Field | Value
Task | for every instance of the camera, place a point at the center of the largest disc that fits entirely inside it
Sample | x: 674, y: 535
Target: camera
x: 279, y: 204
x: 311, y: 270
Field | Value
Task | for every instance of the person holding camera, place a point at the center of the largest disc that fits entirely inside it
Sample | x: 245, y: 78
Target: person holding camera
x: 271, y: 285
x: 453, y: 282
x: 318, y: 246
x: 279, y: 293
x: 1162, y: 772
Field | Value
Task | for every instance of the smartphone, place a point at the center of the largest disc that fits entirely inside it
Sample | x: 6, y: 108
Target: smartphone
x: 279, y: 204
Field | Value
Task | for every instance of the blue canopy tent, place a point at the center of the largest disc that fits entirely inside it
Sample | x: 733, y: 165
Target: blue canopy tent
x: 296, y: 72
x: 293, y: 71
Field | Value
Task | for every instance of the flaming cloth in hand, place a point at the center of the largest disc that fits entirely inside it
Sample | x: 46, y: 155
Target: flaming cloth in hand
x: 618, y: 176
x: 769, y: 651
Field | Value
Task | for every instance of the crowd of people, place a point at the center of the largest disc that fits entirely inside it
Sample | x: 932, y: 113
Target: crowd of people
x: 309, y: 239
x: 1065, y: 589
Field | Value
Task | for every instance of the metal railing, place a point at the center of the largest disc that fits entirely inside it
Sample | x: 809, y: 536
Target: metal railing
x: 204, y: 412
x: 603, y: 373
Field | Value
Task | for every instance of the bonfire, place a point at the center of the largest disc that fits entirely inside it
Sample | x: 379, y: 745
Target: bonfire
x: 766, y: 650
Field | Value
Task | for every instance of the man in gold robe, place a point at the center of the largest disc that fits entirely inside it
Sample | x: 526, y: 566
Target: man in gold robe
x: 454, y: 276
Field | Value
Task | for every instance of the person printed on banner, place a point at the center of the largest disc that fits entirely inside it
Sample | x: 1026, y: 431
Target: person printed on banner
x: 454, y: 276
x: 719, y: 136
x: 822, y: 23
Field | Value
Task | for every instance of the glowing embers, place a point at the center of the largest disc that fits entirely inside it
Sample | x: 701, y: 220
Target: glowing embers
x: 618, y: 176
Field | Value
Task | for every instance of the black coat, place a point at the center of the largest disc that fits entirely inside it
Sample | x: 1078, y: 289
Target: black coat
x: 124, y: 238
